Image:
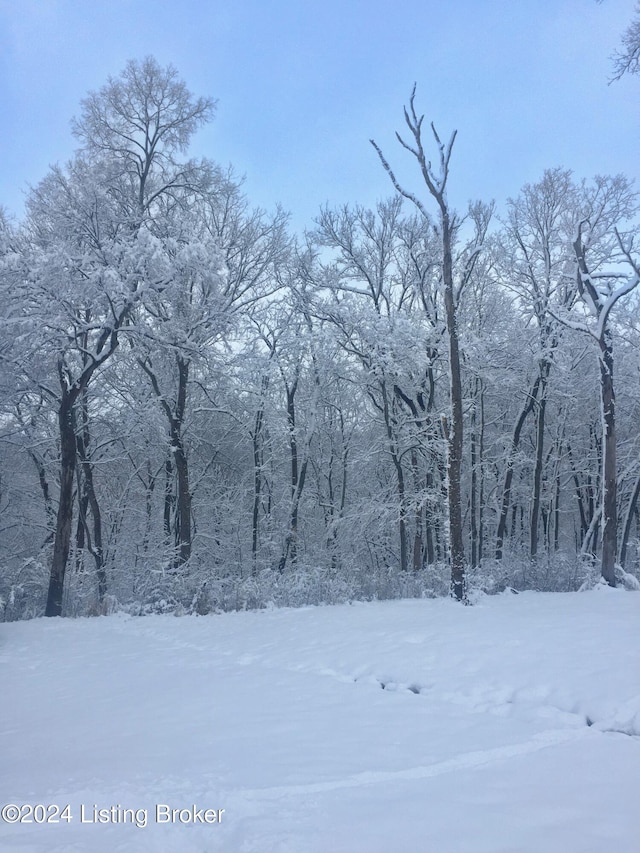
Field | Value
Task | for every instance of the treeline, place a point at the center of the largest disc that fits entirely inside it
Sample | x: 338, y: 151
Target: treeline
x: 200, y: 410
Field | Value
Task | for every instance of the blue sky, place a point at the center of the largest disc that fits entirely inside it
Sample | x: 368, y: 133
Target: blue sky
x: 302, y: 86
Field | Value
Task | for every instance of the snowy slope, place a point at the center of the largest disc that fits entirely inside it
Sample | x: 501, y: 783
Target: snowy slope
x: 509, y: 727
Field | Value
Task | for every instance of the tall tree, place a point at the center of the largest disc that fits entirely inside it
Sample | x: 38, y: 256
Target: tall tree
x: 90, y: 242
x: 435, y: 179
x: 601, y: 253
x: 535, y: 264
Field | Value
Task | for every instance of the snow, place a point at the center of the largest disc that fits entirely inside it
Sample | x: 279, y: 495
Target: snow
x: 512, y: 726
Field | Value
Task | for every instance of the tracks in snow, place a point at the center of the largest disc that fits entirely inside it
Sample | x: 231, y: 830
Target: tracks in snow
x: 500, y: 700
x: 466, y: 761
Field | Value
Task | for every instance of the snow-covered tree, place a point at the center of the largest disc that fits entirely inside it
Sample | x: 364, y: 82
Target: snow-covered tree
x: 89, y: 247
x: 627, y: 59
x: 455, y: 270
x: 607, y: 269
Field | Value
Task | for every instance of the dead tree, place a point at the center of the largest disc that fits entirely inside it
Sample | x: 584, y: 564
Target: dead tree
x: 435, y: 179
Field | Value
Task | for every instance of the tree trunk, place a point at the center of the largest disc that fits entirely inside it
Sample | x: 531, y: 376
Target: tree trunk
x: 418, y: 544
x: 609, y: 496
x: 183, y: 495
x: 481, y: 494
x: 46, y: 494
x: 454, y: 461
x: 537, y: 471
x: 508, y: 477
x: 633, y: 502
x: 182, y: 467
x: 257, y: 483
x: 397, y: 464
x: 334, y: 510
x: 64, y: 516
x: 556, y: 507
x: 167, y: 514
x: 584, y: 524
x: 69, y: 393
x: 89, y: 499
x: 177, y: 459
x: 81, y: 523
x: 295, y: 477
x: 476, y: 500
x: 149, y: 485
x: 298, y: 477
x: 430, y: 524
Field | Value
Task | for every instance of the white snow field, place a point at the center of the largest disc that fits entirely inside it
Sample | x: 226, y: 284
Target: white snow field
x: 512, y: 726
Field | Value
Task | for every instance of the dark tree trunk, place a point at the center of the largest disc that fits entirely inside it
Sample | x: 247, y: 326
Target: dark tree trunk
x: 295, y: 477
x: 69, y: 393
x: 631, y: 510
x: 454, y: 461
x: 333, y: 509
x: 183, y: 492
x: 476, y: 498
x: 418, y: 408
x: 609, y: 485
x: 418, y: 543
x: 537, y: 472
x: 258, y: 462
x: 397, y: 464
x: 556, y: 508
x: 89, y: 499
x: 176, y: 461
x: 481, y: 495
x: 297, y: 481
x: 183, y: 495
x: 150, y: 485
x: 168, y: 499
x: 508, y: 476
x: 473, y: 509
x: 66, y: 424
x: 430, y: 551
x: 50, y: 512
x: 582, y: 510
x: 81, y: 523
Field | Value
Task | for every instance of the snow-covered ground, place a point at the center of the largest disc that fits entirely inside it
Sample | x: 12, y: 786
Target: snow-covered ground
x: 512, y: 726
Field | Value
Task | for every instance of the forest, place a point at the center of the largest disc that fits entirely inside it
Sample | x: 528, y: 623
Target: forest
x: 203, y: 411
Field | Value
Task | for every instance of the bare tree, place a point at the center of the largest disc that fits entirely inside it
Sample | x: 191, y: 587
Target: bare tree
x: 435, y: 179
x: 534, y: 263
x: 90, y: 243
x: 627, y: 59
x: 601, y: 251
